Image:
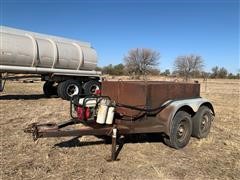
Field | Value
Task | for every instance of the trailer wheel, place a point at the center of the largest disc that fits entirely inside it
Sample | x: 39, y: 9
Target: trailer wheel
x: 49, y: 89
x: 202, y: 121
x: 90, y: 87
x: 67, y: 89
x: 181, y: 130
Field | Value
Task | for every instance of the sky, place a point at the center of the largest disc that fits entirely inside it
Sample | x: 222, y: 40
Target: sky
x: 209, y: 28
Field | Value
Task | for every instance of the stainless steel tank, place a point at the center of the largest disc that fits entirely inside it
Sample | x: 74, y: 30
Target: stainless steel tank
x: 29, y: 50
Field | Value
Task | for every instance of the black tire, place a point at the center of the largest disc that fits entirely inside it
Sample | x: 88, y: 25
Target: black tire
x: 181, y: 130
x: 49, y: 89
x: 68, y: 88
x: 202, y: 121
x: 90, y: 87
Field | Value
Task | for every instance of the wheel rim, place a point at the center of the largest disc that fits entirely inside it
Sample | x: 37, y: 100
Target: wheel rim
x: 182, y: 130
x: 94, y: 88
x: 204, y: 123
x: 72, y: 90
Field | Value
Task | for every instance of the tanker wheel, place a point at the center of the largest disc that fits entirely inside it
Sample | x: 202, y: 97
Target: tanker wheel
x: 49, y: 89
x: 181, y: 130
x: 69, y: 88
x: 90, y: 87
x: 202, y: 121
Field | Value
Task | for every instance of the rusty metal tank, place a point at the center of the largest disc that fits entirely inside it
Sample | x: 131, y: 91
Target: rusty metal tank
x: 150, y: 94
x: 25, y: 49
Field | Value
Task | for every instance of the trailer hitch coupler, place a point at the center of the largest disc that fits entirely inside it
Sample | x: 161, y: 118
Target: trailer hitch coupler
x: 32, y: 128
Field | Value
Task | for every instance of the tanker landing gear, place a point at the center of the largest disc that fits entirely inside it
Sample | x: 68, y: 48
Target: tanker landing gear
x: 2, y: 81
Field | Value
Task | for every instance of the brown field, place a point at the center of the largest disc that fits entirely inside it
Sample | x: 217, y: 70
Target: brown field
x: 216, y: 157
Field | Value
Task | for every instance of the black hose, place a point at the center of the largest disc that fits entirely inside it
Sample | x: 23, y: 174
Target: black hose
x: 144, y: 109
x: 148, y: 112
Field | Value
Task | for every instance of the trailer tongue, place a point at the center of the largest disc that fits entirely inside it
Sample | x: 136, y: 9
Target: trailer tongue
x: 174, y: 109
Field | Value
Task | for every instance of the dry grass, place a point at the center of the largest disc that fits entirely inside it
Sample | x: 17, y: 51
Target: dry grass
x: 216, y: 157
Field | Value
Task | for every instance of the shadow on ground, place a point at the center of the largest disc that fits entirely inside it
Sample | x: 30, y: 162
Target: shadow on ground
x: 24, y: 96
x: 133, y: 138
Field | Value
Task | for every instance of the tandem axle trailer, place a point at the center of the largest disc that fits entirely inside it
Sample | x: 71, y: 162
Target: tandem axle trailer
x: 125, y: 107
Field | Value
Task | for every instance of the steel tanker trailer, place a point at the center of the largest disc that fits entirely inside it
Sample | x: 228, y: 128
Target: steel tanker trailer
x: 67, y: 66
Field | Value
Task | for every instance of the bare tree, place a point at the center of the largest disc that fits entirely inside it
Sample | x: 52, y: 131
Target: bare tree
x: 215, y: 71
x: 188, y: 65
x: 141, y: 61
x: 219, y: 72
x: 222, y: 73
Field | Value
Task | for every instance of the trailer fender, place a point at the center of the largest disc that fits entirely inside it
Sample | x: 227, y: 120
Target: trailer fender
x: 191, y: 106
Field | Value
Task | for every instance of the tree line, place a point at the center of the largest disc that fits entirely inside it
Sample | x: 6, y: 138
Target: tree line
x: 142, y: 61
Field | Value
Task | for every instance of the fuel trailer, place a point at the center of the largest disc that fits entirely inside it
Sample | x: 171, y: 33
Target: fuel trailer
x: 173, y: 109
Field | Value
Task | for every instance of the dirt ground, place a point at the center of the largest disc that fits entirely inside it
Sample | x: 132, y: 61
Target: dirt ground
x: 216, y: 157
